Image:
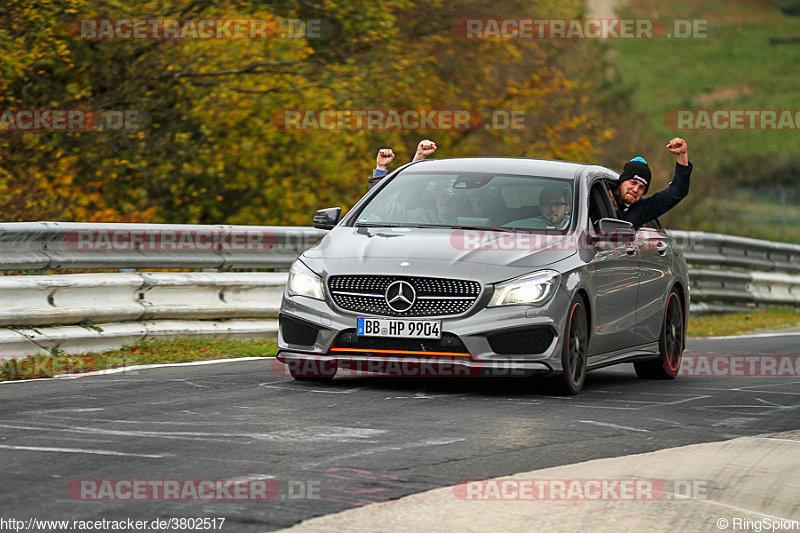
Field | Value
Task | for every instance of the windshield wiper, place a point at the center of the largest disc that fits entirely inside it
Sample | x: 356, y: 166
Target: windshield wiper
x: 377, y: 224
x: 490, y: 228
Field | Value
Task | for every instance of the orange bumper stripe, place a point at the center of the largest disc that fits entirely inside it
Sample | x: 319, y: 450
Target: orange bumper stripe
x: 366, y: 350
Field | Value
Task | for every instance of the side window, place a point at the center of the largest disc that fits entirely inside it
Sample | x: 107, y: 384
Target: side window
x: 599, y: 204
x: 654, y: 224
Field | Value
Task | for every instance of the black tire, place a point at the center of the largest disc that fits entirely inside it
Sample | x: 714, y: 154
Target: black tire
x: 574, y: 352
x: 670, y: 343
x: 312, y: 370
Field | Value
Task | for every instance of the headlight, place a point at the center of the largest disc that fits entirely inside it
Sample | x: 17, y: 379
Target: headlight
x: 303, y: 282
x: 530, y: 289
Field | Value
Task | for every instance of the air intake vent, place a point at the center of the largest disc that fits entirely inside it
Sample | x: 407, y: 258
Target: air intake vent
x: 521, y: 341
x: 296, y: 332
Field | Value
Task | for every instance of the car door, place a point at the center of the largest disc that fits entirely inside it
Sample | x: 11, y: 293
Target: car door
x: 613, y: 269
x: 655, y: 274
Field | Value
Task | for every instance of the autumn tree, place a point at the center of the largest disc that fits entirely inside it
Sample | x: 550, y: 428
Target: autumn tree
x: 212, y: 149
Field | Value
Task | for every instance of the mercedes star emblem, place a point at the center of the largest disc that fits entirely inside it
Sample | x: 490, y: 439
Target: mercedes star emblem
x: 400, y: 296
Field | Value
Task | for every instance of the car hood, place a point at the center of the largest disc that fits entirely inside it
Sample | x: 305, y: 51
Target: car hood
x: 436, y: 252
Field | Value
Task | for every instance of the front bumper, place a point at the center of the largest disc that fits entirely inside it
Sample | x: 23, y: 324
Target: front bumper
x: 473, y: 329
x: 414, y: 366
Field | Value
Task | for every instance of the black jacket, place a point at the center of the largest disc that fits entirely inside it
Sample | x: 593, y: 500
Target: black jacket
x: 647, y: 209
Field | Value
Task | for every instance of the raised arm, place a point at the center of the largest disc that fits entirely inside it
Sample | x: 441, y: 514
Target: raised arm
x: 654, y: 206
x: 386, y: 155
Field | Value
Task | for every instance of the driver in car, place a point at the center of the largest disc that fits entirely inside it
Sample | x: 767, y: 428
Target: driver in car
x: 554, y: 206
x: 554, y: 210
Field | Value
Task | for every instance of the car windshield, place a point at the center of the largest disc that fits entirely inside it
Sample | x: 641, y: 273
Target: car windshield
x: 471, y: 200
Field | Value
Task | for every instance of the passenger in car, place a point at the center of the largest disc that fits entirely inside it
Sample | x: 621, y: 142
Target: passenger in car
x: 633, y: 183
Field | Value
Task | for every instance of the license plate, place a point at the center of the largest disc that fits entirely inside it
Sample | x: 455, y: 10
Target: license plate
x: 414, y: 329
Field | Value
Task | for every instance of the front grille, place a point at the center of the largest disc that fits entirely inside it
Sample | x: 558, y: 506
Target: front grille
x: 434, y: 296
x: 521, y: 341
x: 448, y: 343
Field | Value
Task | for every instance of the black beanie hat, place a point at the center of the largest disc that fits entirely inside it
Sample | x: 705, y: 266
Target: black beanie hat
x: 636, y: 169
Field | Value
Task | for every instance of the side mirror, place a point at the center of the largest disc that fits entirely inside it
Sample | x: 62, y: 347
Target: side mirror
x: 615, y: 230
x: 327, y: 218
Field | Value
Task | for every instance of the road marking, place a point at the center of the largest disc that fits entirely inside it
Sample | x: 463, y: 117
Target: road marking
x: 686, y: 400
x: 683, y: 496
x: 606, y: 424
x: 346, y: 391
x: 51, y: 438
x: 78, y: 450
x: 753, y: 336
x: 746, y: 389
x: 779, y: 384
x: 735, y: 422
x: 796, y: 441
x: 381, y: 449
x: 107, y: 371
x: 661, y: 394
x: 771, y: 403
x: 77, y: 410
x: 311, y: 433
x: 192, y: 383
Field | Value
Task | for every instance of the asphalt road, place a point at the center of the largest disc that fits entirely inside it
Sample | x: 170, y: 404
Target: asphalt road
x: 354, y: 441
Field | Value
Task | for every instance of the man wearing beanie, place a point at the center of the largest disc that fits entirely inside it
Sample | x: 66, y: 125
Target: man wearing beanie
x: 635, y: 179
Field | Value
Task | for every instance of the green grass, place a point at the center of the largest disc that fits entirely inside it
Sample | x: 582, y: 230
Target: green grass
x: 751, y: 216
x: 176, y: 350
x: 734, y: 67
x: 670, y: 74
x: 718, y: 325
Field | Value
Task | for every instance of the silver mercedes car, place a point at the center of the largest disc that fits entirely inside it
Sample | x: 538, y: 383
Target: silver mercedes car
x: 486, y: 266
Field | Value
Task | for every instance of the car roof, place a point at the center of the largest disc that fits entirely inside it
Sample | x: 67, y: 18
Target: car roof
x: 510, y: 165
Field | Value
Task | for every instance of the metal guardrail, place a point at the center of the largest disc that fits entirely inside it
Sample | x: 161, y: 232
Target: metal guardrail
x: 18, y: 342
x: 730, y: 273
x: 117, y: 309
x: 107, y: 311
x: 77, y: 245
x: 95, y: 298
x: 737, y: 252
x: 40, y: 311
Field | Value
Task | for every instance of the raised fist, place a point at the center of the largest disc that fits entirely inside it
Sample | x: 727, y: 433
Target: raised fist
x: 385, y: 156
x: 677, y: 146
x: 424, y: 149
